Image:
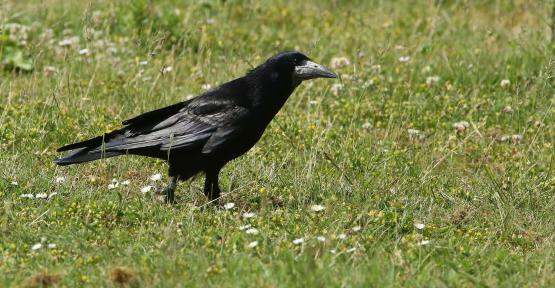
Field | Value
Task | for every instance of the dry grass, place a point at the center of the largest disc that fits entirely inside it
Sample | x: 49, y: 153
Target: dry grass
x: 122, y: 276
x: 42, y: 280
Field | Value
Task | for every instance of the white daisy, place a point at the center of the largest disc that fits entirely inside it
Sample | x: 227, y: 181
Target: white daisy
x: 419, y: 226
x: 41, y: 196
x: 404, y: 59
x: 505, y: 83
x: 229, y: 205
x: 321, y: 238
x: 166, y: 69
x: 60, y: 179
x: 298, y: 241
x: 36, y: 246
x: 431, y: 80
x: 461, y: 126
x: 368, y: 83
x: 30, y: 196
x: 50, y: 70
x: 253, y: 244
x: 413, y: 132
x: 245, y: 227
x: 85, y: 52
x: 248, y: 215
x: 114, y: 184
x: 342, y: 236
x: 14, y: 183
x: 156, y: 177
x: 317, y: 208
x: 146, y: 189
x: 336, y: 89
x: 252, y: 231
x: 339, y: 62
x: 52, y: 245
x: 366, y: 125
x: 69, y: 41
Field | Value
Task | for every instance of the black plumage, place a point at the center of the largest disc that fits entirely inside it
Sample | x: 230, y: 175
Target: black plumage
x: 204, y: 133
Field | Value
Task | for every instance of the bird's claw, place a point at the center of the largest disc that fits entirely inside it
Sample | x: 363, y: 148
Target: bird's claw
x: 165, y: 195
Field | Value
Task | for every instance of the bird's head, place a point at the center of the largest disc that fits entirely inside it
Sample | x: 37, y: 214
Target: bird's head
x: 294, y: 66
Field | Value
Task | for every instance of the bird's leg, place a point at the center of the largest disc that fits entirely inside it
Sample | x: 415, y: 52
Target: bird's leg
x: 211, y: 187
x: 170, y: 191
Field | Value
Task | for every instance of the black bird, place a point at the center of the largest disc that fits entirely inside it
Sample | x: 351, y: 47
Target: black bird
x: 204, y: 133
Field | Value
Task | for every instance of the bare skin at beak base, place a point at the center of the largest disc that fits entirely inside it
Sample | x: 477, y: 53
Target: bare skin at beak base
x: 309, y: 70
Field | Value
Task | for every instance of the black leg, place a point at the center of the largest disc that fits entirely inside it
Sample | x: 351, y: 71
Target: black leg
x: 211, y: 187
x: 170, y: 191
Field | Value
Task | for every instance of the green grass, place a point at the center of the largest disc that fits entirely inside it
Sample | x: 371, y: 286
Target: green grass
x: 487, y: 205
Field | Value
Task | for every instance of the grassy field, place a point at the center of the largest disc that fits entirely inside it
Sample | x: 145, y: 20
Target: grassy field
x: 430, y: 163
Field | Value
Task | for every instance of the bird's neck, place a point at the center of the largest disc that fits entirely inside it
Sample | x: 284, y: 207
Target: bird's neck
x: 275, y: 96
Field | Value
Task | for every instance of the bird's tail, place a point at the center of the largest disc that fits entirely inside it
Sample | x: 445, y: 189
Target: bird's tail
x: 84, y: 152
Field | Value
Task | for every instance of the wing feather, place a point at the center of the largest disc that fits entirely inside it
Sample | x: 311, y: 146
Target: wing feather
x: 191, y: 126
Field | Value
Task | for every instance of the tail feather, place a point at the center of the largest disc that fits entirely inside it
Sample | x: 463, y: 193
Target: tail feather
x: 85, y: 155
x: 94, y: 142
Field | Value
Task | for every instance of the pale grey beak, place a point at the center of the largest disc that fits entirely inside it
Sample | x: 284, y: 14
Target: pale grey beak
x: 309, y: 70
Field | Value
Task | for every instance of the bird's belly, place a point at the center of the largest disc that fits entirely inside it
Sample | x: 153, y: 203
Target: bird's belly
x: 240, y: 144
x: 244, y: 143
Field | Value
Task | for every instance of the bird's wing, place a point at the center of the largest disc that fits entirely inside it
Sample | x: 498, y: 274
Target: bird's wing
x: 147, y: 130
x: 155, y: 116
x: 236, y: 120
x: 183, y: 132
x: 189, y: 126
x: 212, y: 120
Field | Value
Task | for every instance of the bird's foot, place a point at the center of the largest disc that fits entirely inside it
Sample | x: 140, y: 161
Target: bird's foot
x: 168, y: 194
x: 159, y: 196
x: 218, y: 202
x: 165, y: 195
